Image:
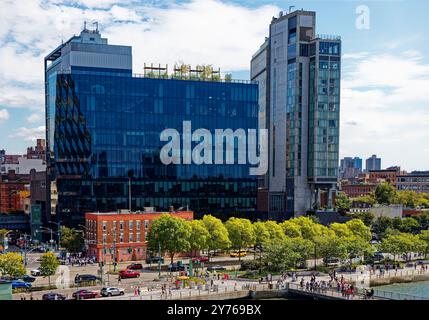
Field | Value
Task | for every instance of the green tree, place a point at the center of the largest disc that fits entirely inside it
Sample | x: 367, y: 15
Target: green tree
x: 275, y: 230
x: 330, y: 247
x: 241, y: 233
x: 48, y: 265
x: 381, y: 224
x: 401, y: 243
x: 171, y: 234
x: 304, y: 247
x: 72, y: 240
x: 409, y: 225
x: 357, y: 246
x: 368, y: 199
x: 219, y: 238
x: 342, y: 202
x: 424, y: 236
x: 366, y: 217
x: 407, y: 198
x: 291, y: 229
x: 309, y: 228
x: 12, y: 264
x: 359, y: 229
x: 340, y: 229
x: 279, y: 255
x: 385, y: 193
x: 199, y: 235
x: 262, y: 237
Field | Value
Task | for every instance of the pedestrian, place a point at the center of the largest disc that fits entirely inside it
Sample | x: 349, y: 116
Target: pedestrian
x: 119, y: 280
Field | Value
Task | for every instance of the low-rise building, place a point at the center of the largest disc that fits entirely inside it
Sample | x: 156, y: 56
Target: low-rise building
x: 122, y: 235
x: 357, y: 190
x: 415, y: 181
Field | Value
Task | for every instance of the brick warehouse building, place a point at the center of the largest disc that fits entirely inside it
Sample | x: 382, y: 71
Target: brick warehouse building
x: 122, y: 234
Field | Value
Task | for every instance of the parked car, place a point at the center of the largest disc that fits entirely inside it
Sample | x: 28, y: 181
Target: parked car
x: 84, y: 294
x: 53, y: 296
x: 200, y: 259
x: 36, y: 272
x: 378, y: 256
x: 111, y: 291
x: 125, y: 274
x: 176, y: 267
x: 216, y: 268
x: 84, y: 278
x: 28, y: 278
x: 238, y: 254
x: 332, y: 262
x: 20, y: 284
x: 150, y: 260
x: 135, y: 266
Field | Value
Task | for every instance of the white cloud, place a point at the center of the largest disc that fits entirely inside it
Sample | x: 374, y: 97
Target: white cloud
x: 200, y: 31
x: 4, y: 115
x: 386, y: 97
x: 29, y: 134
x: 35, y: 117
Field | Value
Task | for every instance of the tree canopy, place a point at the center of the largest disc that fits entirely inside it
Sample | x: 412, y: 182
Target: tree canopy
x: 171, y: 233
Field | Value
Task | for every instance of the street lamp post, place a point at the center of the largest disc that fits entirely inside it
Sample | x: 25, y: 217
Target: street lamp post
x: 59, y: 231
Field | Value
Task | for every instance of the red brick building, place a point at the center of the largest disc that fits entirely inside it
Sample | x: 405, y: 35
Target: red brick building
x: 357, y: 190
x: 122, y: 235
x: 11, y: 185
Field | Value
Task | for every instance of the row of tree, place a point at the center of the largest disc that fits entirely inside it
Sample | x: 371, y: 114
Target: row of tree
x: 12, y: 265
x: 385, y: 194
x: 280, y: 245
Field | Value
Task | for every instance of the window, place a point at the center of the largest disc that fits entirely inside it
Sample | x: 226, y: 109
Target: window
x: 138, y: 237
x: 130, y: 237
x: 138, y: 225
x: 121, y: 237
x: 104, y: 238
x: 121, y: 225
x: 104, y: 225
x: 145, y: 236
x: 130, y: 225
x: 146, y: 224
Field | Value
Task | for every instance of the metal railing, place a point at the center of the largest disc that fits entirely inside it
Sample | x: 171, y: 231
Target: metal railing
x: 390, y: 295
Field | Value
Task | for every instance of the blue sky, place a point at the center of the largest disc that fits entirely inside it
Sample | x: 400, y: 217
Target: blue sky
x: 384, y: 104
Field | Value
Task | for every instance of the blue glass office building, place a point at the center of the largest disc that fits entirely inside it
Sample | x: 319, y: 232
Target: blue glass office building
x: 103, y: 135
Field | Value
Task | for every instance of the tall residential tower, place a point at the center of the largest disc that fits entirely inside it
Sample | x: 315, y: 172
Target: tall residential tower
x: 299, y: 96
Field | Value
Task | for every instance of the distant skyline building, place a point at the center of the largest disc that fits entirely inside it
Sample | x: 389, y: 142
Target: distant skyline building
x: 350, y: 167
x: 103, y: 134
x: 373, y: 163
x: 299, y: 76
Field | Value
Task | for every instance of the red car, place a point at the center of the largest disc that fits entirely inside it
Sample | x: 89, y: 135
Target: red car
x: 124, y: 274
x: 84, y: 294
x: 135, y: 266
x: 200, y: 259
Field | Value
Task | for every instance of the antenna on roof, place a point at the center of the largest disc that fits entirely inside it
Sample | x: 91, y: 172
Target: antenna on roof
x: 84, y: 26
x: 96, y: 26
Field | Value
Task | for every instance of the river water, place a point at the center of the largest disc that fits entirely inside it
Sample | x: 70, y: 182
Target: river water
x: 419, y: 289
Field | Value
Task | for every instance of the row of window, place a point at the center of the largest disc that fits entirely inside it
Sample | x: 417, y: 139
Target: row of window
x: 130, y: 224
x: 131, y: 237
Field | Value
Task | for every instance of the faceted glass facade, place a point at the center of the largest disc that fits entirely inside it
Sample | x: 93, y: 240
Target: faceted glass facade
x: 324, y: 111
x: 105, y: 128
